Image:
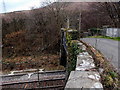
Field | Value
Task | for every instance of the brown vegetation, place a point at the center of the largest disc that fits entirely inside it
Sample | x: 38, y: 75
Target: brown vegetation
x: 45, y: 61
x: 34, y: 32
x: 109, y: 76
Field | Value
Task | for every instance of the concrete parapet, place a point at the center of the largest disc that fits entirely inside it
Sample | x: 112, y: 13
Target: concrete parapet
x: 82, y: 80
x: 84, y: 62
x: 83, y: 47
x: 85, y: 76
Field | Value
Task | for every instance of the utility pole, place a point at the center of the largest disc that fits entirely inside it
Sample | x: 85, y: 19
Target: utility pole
x: 79, y: 23
x: 80, y: 19
x: 4, y: 6
x: 68, y: 22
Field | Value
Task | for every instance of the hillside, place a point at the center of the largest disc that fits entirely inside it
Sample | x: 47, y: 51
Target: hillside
x: 31, y: 33
x: 26, y: 21
x: 71, y: 6
x: 40, y: 22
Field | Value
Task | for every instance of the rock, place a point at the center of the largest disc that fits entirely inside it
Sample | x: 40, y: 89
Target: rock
x: 84, y: 62
x: 101, y: 70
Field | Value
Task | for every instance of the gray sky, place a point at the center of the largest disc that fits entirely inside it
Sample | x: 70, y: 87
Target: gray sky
x: 17, y: 5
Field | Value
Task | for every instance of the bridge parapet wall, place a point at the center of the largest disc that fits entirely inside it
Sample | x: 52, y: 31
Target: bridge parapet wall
x: 85, y: 75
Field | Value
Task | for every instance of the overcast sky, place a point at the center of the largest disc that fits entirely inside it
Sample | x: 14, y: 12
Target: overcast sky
x: 17, y: 5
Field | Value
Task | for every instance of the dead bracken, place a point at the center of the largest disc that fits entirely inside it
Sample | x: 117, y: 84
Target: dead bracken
x: 48, y: 62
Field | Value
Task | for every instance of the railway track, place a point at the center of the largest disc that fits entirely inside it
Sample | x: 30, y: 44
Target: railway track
x: 46, y: 80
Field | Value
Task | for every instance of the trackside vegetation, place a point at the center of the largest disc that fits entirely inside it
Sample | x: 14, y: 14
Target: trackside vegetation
x: 73, y: 49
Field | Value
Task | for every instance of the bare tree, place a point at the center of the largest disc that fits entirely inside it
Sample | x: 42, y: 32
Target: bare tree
x: 56, y: 16
x: 113, y: 9
x: 45, y: 23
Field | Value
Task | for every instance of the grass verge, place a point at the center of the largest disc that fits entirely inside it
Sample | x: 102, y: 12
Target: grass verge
x: 105, y: 37
x: 110, y: 78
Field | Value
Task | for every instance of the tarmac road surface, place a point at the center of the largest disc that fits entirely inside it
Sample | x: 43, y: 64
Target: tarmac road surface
x: 109, y: 48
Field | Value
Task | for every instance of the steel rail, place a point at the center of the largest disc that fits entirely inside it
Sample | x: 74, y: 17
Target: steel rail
x: 21, y: 74
x: 32, y: 81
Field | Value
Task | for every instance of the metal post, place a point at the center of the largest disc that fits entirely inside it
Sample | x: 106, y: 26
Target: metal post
x: 38, y: 78
x: 97, y: 31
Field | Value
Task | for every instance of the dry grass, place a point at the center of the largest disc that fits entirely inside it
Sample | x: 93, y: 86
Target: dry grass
x: 46, y: 61
x: 109, y: 77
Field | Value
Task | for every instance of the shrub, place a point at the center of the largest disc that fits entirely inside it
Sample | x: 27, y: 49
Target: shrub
x: 73, y: 51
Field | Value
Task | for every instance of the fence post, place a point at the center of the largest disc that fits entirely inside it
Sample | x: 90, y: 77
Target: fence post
x: 63, y: 49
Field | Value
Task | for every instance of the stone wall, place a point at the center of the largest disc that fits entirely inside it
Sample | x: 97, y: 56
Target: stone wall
x: 85, y: 75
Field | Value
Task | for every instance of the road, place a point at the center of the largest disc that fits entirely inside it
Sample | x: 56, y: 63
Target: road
x: 109, y: 48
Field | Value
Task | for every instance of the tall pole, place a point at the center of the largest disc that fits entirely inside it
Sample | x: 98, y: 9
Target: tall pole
x: 80, y: 19
x: 4, y: 7
x: 68, y: 22
x: 80, y: 23
x: 97, y: 31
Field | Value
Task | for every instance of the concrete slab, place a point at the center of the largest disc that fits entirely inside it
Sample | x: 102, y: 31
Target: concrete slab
x: 86, y: 68
x: 83, y: 47
x: 80, y: 45
x: 82, y: 80
x: 84, y: 62
x: 85, y: 65
x: 84, y: 57
x: 84, y: 53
